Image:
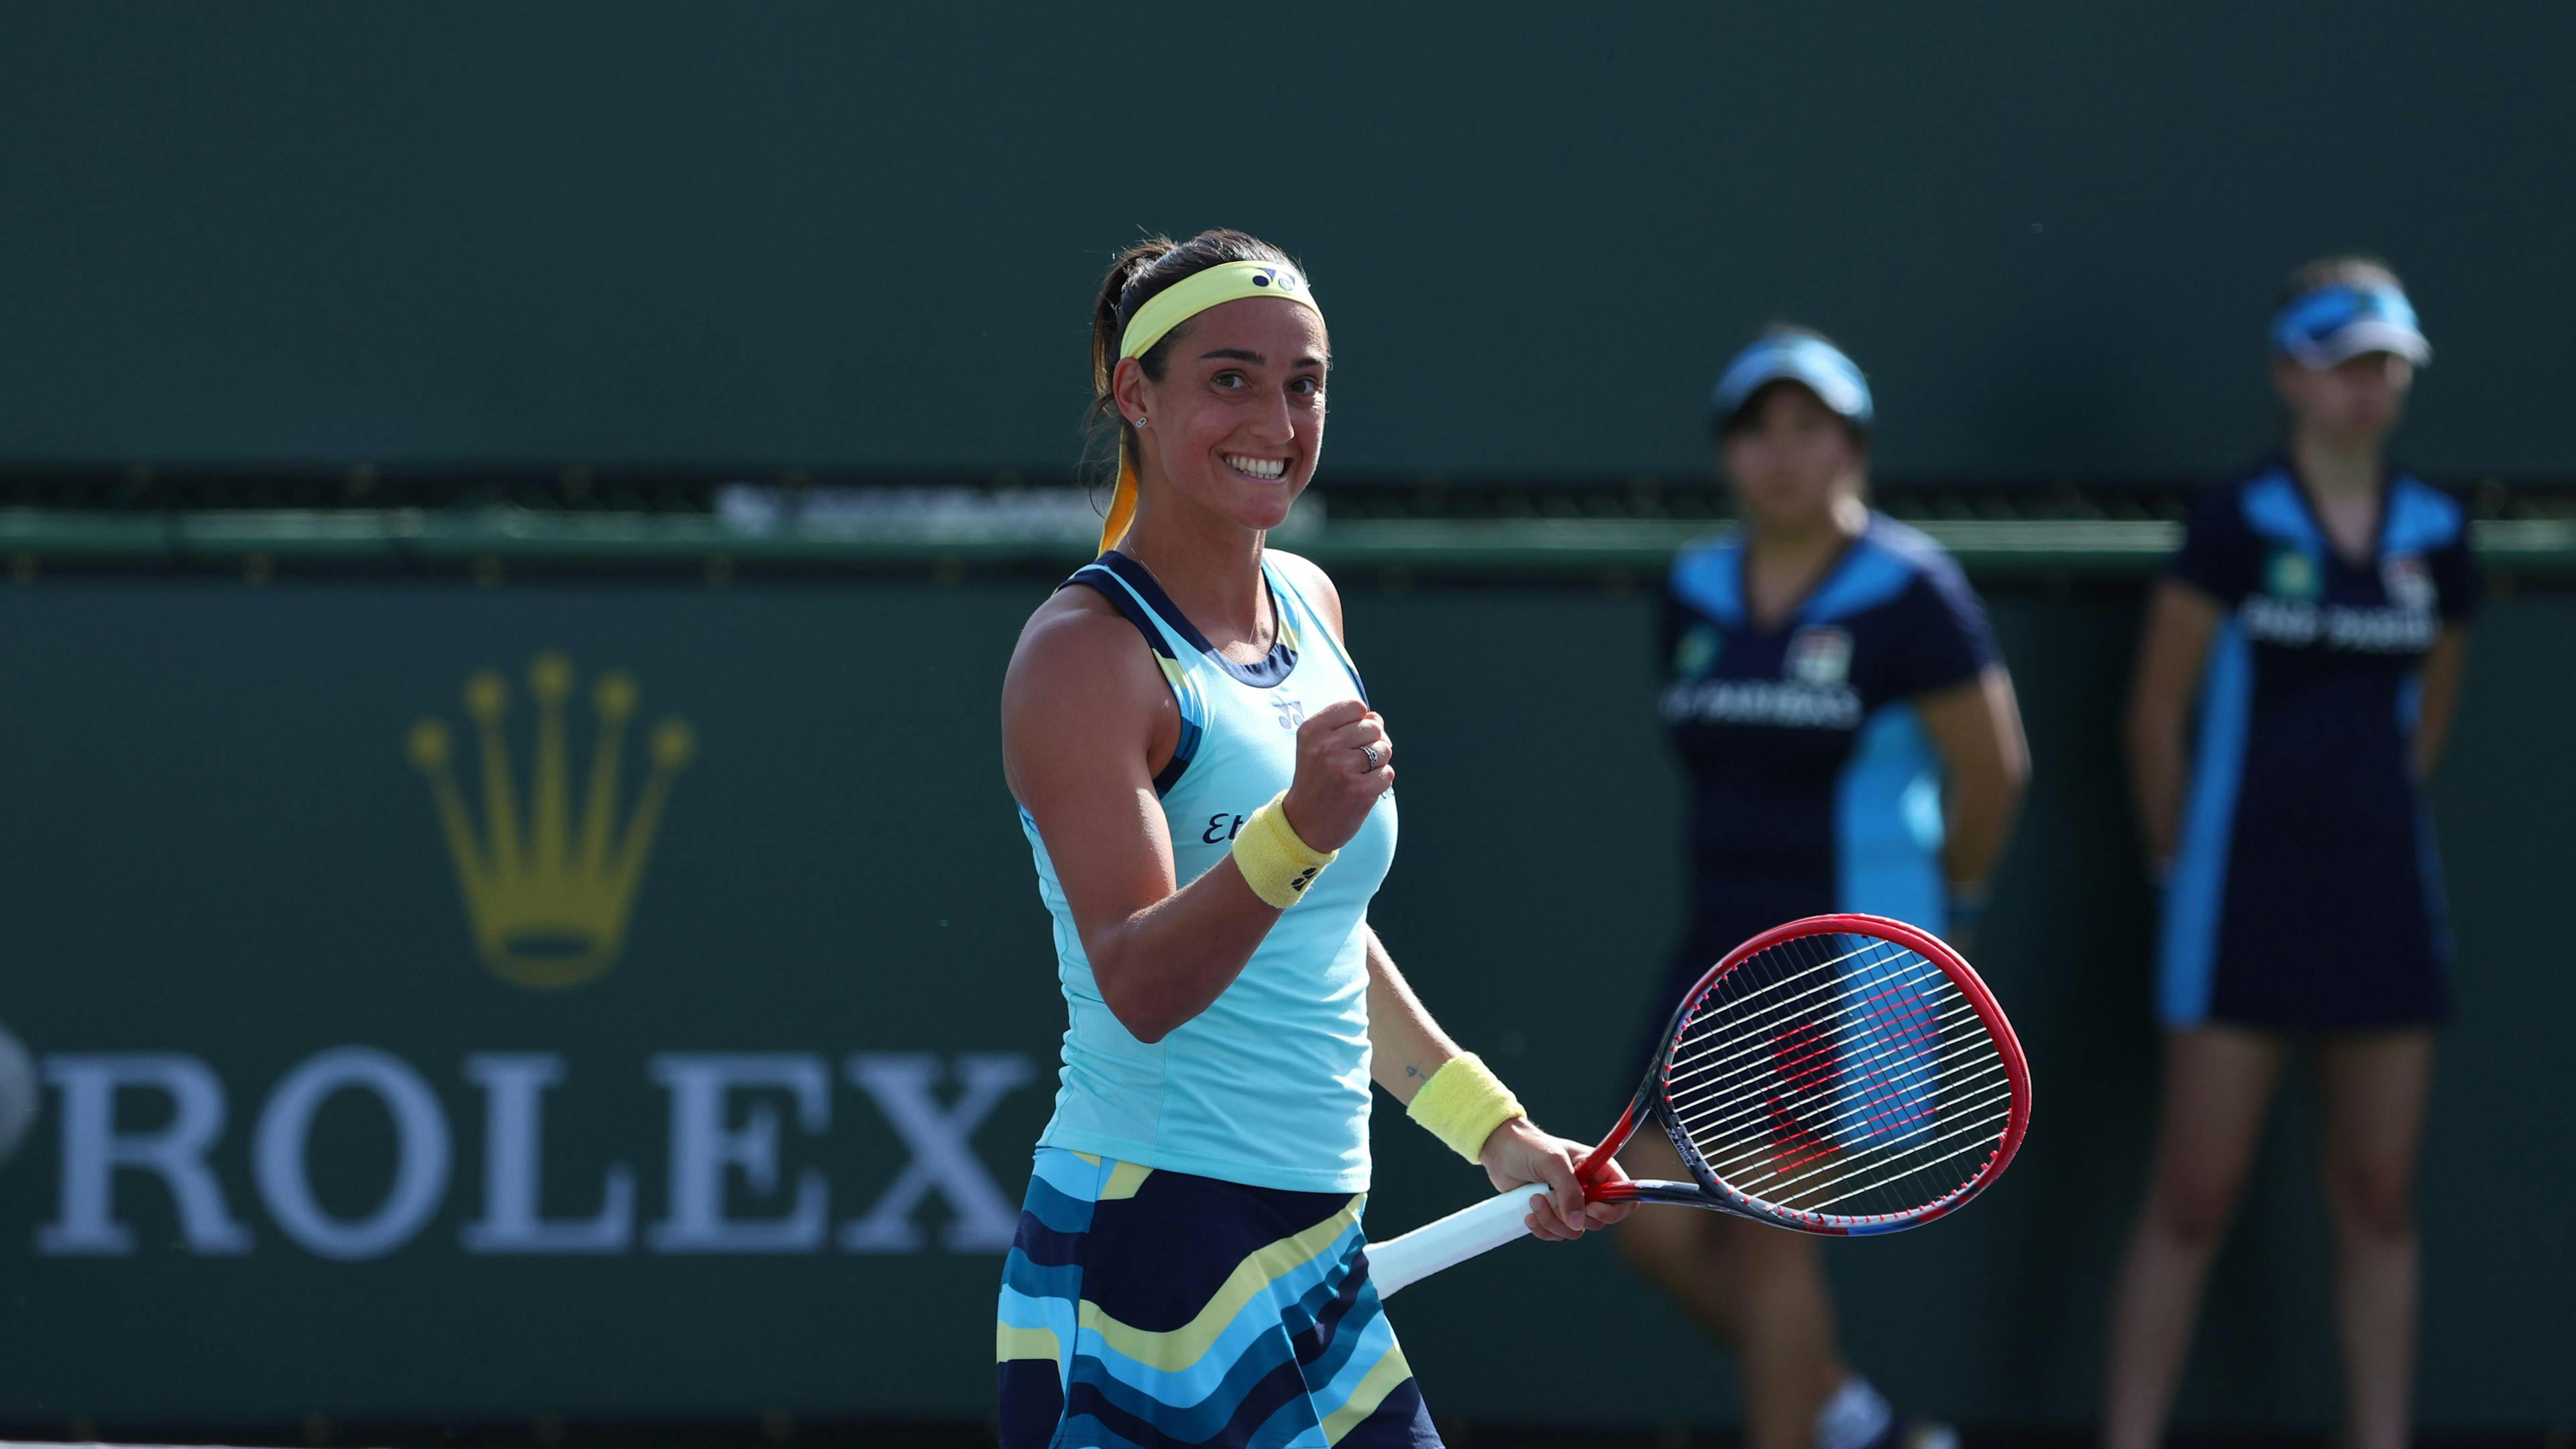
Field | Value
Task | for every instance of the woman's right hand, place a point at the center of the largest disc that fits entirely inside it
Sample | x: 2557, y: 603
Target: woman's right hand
x: 1335, y: 785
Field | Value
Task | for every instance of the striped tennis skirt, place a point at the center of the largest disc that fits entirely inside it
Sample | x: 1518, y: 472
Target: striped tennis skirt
x: 1147, y: 1308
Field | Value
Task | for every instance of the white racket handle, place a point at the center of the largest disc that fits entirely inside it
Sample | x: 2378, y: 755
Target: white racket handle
x: 1399, y: 1262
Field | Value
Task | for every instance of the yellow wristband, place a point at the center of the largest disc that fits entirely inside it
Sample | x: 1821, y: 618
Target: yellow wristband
x: 1275, y: 863
x: 1463, y: 1103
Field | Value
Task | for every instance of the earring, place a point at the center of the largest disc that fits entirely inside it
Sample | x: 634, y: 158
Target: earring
x: 1140, y: 420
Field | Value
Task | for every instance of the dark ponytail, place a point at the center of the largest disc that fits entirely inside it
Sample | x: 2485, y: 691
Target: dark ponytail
x: 1136, y: 276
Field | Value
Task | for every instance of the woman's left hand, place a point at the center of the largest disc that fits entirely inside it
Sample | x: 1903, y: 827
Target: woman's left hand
x: 1518, y: 1152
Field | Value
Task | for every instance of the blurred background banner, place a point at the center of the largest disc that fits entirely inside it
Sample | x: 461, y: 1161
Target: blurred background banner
x: 816, y: 235
x: 407, y: 408
x: 718, y: 1101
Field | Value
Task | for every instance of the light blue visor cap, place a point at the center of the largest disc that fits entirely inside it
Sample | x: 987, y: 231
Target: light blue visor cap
x: 2341, y: 321
x: 1811, y: 362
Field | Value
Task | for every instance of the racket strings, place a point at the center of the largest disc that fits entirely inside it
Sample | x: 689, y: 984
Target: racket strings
x: 1719, y: 1114
x: 1848, y: 1066
x: 1893, y: 1104
x: 1734, y: 1006
x: 1978, y: 1063
x: 1839, y: 1071
x: 1887, y: 1094
x: 1786, y: 1186
x: 1755, y: 1046
x: 1985, y: 1132
x: 1715, y: 1060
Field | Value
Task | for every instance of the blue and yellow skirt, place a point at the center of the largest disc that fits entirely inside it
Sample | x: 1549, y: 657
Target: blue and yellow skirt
x: 1145, y: 1308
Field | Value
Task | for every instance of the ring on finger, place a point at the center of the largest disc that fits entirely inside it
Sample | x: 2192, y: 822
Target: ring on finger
x: 1369, y: 752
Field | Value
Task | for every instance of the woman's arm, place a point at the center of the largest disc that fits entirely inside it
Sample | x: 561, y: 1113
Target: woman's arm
x: 1986, y: 762
x: 1086, y: 719
x: 2442, y: 670
x: 1406, y: 1046
x: 2181, y: 622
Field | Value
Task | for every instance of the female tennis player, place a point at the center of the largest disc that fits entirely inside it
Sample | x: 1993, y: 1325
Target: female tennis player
x: 1853, y: 745
x: 1209, y: 798
x: 2318, y: 615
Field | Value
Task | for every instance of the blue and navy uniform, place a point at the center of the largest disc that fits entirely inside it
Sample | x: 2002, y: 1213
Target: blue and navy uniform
x: 1814, y: 786
x: 2305, y: 892
x: 1189, y: 1264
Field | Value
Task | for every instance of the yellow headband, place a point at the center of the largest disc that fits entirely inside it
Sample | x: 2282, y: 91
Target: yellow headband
x: 1225, y: 282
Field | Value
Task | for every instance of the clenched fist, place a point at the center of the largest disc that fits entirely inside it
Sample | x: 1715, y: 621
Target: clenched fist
x: 1344, y: 762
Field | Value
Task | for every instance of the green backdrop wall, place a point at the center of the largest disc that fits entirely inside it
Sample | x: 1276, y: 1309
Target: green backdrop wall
x: 830, y: 235
x: 758, y: 1162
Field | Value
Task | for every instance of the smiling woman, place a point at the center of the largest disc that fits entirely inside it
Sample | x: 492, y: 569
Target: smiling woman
x: 1211, y: 810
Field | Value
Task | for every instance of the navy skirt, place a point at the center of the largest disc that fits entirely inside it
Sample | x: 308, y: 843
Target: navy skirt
x: 1149, y: 1308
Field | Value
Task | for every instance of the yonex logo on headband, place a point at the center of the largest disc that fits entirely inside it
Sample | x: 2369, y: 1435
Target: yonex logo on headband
x: 1215, y: 286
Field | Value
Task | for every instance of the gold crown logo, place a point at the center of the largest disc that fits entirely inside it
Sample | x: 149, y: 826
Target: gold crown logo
x: 548, y: 904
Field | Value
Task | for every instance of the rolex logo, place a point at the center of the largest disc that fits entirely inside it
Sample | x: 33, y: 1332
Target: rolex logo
x: 548, y: 890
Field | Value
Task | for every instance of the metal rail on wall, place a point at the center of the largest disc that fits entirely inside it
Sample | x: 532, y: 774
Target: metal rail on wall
x: 489, y: 541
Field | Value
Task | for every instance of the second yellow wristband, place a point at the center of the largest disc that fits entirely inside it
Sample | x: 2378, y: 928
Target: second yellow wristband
x: 1463, y: 1103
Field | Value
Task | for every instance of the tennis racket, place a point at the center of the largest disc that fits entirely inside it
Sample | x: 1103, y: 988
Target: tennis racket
x: 1841, y: 1075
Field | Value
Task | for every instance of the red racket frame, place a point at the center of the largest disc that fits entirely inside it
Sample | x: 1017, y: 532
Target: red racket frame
x: 1707, y: 1191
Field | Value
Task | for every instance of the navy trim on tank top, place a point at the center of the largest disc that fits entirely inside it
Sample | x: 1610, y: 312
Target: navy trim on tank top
x: 1125, y: 603
x: 1264, y: 673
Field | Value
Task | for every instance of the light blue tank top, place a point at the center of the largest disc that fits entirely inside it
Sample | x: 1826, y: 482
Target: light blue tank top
x: 1269, y: 1086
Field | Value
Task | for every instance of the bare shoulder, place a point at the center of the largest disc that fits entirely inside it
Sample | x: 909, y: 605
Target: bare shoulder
x: 1076, y: 646
x: 1314, y: 584
x: 1082, y: 702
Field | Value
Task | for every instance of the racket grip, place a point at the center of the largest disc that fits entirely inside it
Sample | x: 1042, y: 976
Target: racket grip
x: 1399, y: 1262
